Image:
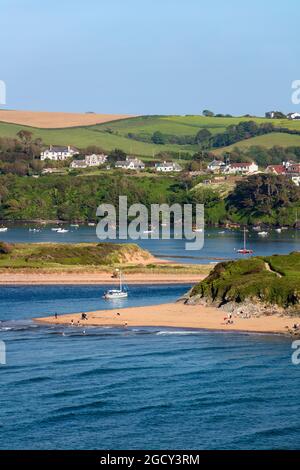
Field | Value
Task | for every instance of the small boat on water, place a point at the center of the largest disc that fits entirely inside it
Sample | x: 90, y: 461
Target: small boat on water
x: 114, y: 294
x: 62, y: 230
x: 263, y: 234
x: 91, y: 224
x: 245, y: 250
x: 35, y: 230
x: 3, y: 229
x: 278, y: 230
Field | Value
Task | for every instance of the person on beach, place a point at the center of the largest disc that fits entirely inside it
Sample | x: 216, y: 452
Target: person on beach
x: 118, y: 314
x: 78, y: 323
x: 72, y: 322
x: 55, y: 315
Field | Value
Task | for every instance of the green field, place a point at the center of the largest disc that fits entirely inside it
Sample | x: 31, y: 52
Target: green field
x: 114, y: 134
x: 268, y: 140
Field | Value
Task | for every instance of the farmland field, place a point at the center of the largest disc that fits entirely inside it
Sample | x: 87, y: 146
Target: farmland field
x: 133, y: 135
x: 56, y: 120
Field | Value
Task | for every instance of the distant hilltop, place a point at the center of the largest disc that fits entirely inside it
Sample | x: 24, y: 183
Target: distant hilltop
x: 48, y: 120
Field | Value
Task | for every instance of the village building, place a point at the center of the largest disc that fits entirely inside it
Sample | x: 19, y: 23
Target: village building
x: 293, y: 116
x: 245, y: 168
x: 216, y: 166
x: 130, y: 164
x: 167, y: 167
x: 95, y: 159
x: 58, y: 152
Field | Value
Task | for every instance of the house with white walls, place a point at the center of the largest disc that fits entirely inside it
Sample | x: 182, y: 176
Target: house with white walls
x: 58, y: 152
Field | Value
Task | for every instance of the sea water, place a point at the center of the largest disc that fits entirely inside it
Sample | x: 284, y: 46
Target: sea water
x: 130, y: 388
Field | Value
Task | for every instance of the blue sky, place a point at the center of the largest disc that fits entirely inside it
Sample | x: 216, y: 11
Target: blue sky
x: 150, y: 56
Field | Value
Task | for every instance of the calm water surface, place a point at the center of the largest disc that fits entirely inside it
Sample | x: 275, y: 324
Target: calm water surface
x: 217, y: 245
x: 152, y: 388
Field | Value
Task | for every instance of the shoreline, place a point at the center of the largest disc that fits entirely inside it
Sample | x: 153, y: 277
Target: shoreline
x: 175, y: 315
x: 81, y: 278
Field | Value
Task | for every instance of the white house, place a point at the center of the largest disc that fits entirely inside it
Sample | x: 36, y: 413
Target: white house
x: 57, y: 152
x: 130, y: 164
x: 241, y: 168
x: 78, y: 164
x: 216, y: 166
x: 167, y: 167
x: 293, y: 116
x: 95, y: 160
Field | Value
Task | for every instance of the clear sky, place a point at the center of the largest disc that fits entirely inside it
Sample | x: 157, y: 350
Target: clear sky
x: 150, y: 56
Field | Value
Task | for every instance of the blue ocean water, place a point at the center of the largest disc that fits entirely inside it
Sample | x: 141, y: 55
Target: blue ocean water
x: 151, y: 388
x: 218, y: 244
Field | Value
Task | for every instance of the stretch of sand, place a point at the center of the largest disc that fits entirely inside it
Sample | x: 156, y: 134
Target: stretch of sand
x: 176, y: 315
x: 28, y: 278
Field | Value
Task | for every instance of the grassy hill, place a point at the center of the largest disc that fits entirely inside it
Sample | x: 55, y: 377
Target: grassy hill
x: 268, y: 140
x: 56, y: 255
x: 115, y: 134
x: 269, y: 281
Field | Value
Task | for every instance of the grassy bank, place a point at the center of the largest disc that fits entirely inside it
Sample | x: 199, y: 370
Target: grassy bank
x: 273, y: 280
x: 87, y: 257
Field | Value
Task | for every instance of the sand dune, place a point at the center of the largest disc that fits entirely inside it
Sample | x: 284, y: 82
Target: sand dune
x: 57, y: 120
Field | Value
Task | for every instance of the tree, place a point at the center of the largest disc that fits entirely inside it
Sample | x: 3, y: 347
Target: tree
x: 207, y: 113
x: 203, y: 137
x: 158, y: 138
x: 25, y: 136
x: 116, y: 155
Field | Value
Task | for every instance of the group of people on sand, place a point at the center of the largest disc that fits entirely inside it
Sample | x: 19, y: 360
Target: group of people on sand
x: 228, y: 319
x: 84, y: 316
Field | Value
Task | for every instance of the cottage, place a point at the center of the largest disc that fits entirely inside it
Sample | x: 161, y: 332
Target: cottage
x: 168, y: 167
x: 216, y: 166
x: 130, y: 164
x: 241, y: 168
x: 95, y: 160
x: 57, y: 152
x: 276, y: 169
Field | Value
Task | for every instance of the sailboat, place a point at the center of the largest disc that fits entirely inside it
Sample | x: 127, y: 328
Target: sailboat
x: 245, y: 250
x: 113, y: 294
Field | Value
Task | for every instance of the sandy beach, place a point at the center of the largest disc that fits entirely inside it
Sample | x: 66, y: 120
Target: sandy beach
x: 176, y: 315
x: 44, y: 278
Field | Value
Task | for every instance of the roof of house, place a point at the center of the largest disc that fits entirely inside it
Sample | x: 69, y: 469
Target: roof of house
x: 216, y: 162
x: 61, y: 148
x: 240, y: 164
x: 277, y: 168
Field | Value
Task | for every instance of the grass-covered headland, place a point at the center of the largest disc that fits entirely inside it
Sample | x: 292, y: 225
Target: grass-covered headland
x: 258, y: 285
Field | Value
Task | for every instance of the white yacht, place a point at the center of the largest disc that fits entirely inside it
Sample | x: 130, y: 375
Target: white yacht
x: 113, y: 294
x: 3, y: 229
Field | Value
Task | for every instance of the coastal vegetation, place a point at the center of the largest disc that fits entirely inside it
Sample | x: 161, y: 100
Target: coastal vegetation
x: 258, y: 199
x: 87, y: 257
x: 55, y: 255
x: 269, y: 281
